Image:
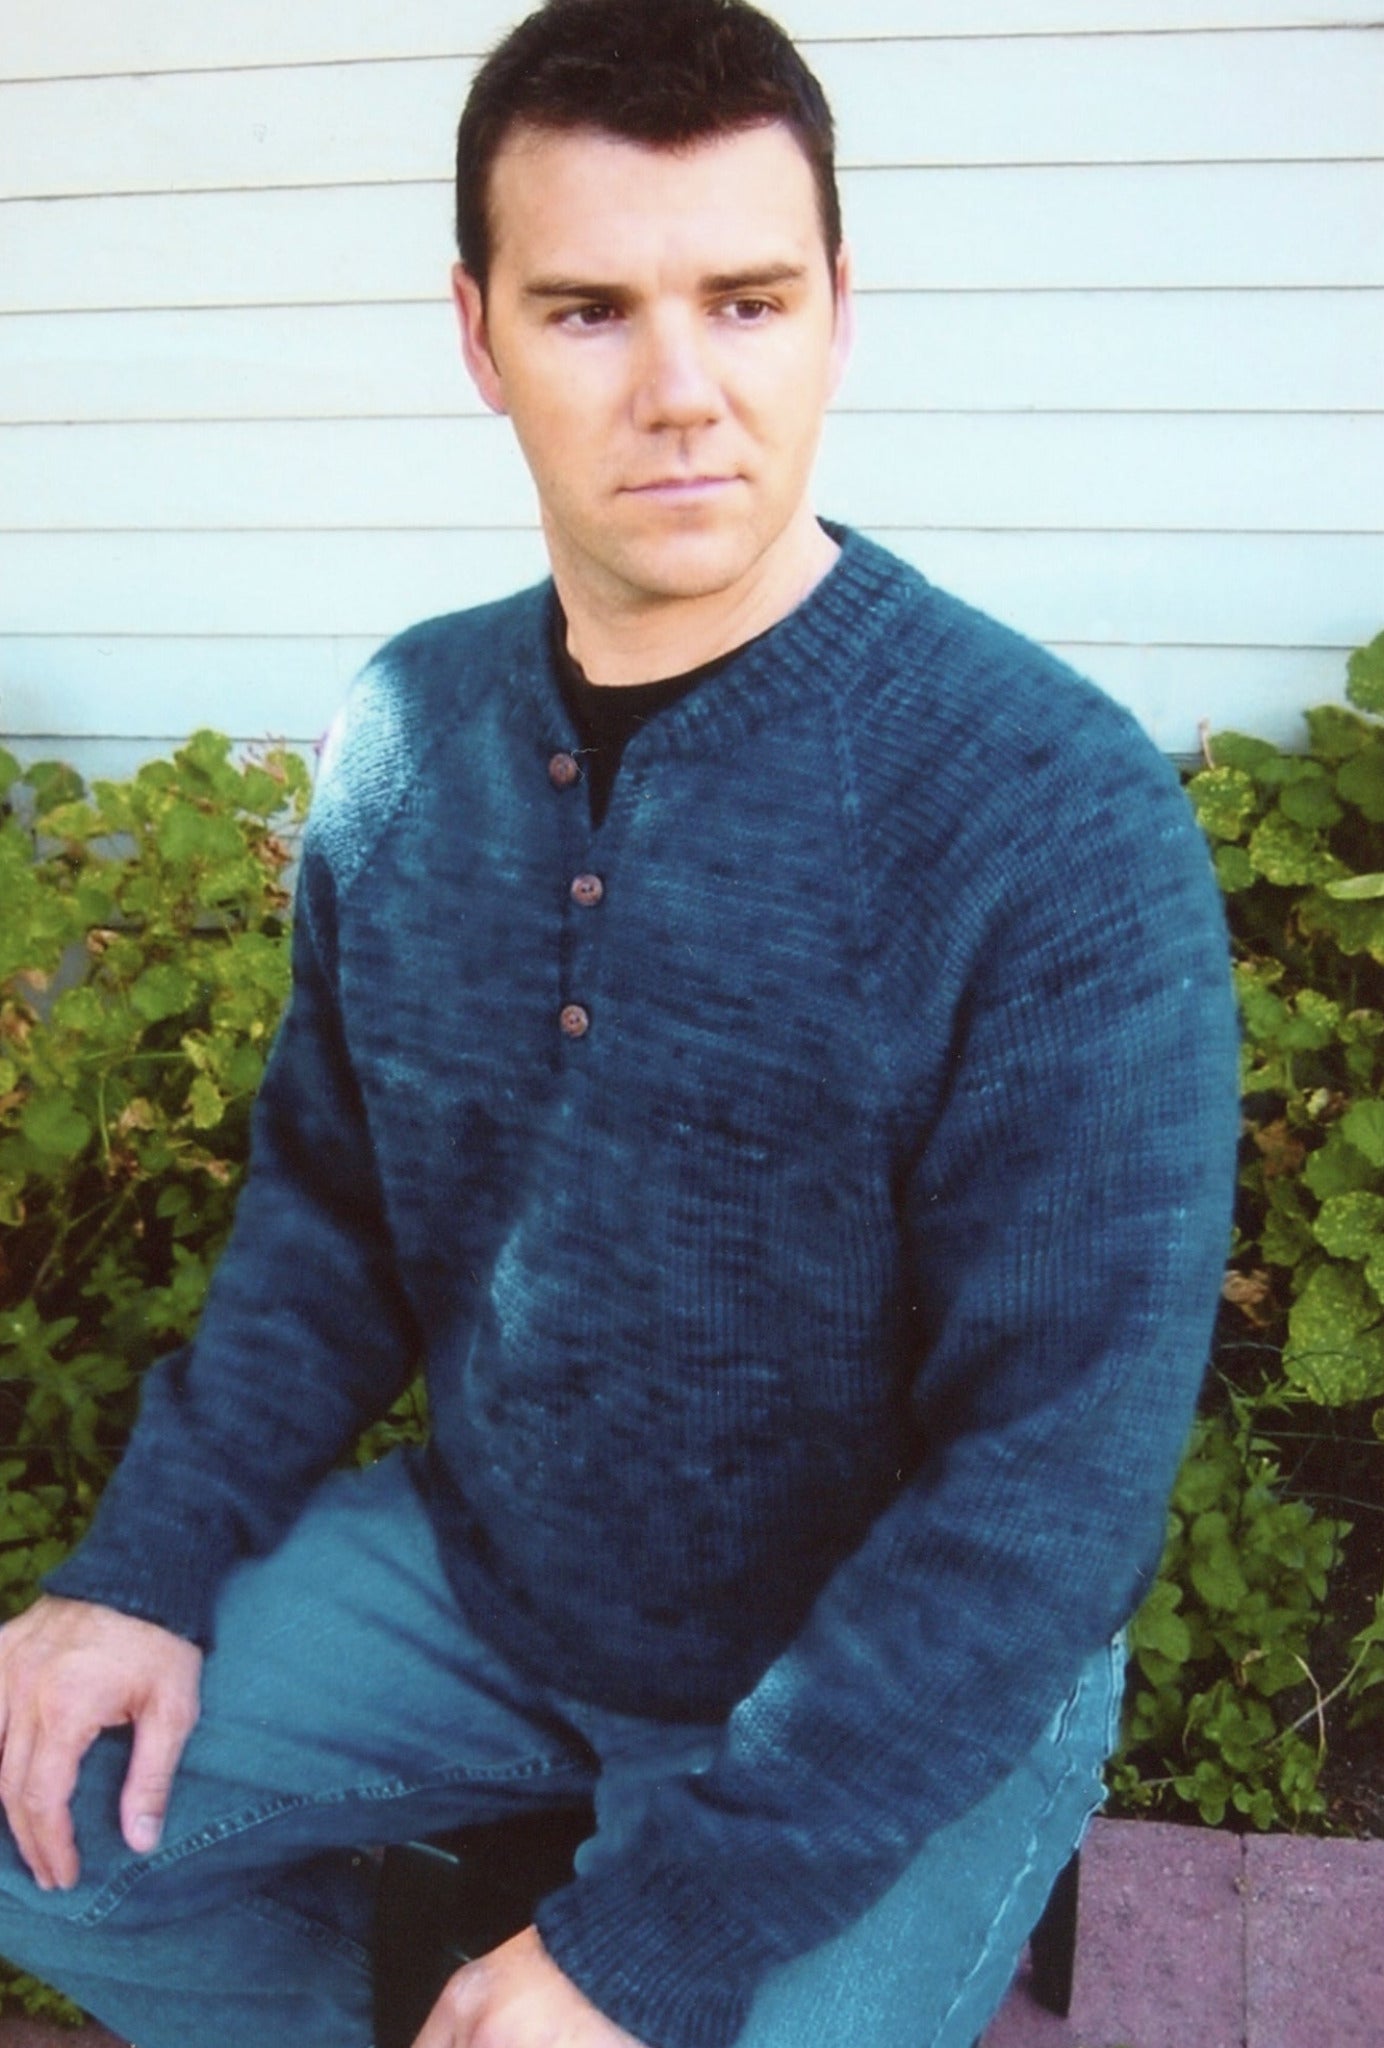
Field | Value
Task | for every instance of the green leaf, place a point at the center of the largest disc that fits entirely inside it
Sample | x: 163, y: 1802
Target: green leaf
x: 1215, y: 1572
x: 1334, y: 733
x: 1361, y: 781
x: 206, y: 751
x: 1310, y: 802
x: 1241, y: 750
x: 1337, y: 1168
x: 55, y: 1126
x: 1374, y: 1274
x: 72, y: 821
x: 162, y: 991
x: 1223, y: 799
x: 1286, y: 1234
x: 1265, y: 1014
x: 1335, y: 1349
x: 1288, y: 855
x: 1159, y: 1628
x: 1365, y: 676
x: 1355, y: 927
x: 1356, y: 888
x: 189, y: 834
x: 1351, y: 1226
x: 1314, y: 1022
x: 10, y: 772
x: 206, y: 1102
x: 1234, y: 869
x: 53, y: 783
x: 1362, y: 1126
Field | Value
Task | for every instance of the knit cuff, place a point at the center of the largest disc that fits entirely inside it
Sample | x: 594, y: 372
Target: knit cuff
x: 655, y: 1954
x: 144, y: 1561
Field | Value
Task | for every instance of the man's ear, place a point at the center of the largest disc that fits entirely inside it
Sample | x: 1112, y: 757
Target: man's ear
x: 843, y: 338
x: 475, y: 339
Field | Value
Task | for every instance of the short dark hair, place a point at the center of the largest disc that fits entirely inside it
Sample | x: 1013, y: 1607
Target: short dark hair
x: 668, y: 73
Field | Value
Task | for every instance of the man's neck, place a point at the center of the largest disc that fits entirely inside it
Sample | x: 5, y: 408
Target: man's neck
x: 618, y: 644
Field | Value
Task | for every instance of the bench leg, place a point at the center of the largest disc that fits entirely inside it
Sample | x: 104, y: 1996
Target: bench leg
x: 1052, y: 1945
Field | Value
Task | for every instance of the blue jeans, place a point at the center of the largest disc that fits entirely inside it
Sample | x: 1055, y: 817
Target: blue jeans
x: 347, y: 1704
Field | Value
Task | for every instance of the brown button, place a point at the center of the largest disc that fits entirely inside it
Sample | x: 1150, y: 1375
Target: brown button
x: 573, y: 1021
x: 563, y: 771
x: 587, y: 890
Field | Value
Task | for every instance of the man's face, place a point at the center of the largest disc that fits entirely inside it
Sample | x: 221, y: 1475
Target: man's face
x: 662, y: 329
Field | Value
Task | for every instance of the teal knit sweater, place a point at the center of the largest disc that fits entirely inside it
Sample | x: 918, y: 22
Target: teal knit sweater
x: 807, y: 1194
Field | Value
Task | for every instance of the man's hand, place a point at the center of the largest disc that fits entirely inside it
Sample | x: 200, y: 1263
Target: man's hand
x: 68, y: 1670
x: 516, y: 1997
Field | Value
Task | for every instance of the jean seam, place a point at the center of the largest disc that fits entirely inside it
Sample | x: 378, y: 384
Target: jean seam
x: 317, y: 1932
x: 1073, y: 1772
x: 381, y: 1793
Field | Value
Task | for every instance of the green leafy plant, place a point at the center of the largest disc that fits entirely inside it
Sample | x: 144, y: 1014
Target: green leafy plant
x: 143, y: 965
x: 1228, y: 1712
x: 1226, y: 1633
x: 142, y: 970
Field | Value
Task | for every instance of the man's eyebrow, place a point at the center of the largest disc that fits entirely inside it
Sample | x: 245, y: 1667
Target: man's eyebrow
x: 575, y: 288
x: 763, y: 278
x: 721, y: 284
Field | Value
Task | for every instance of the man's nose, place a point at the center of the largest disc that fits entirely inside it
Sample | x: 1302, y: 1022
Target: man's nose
x: 676, y: 381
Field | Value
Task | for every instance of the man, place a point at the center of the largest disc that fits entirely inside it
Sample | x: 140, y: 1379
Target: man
x: 760, y: 1039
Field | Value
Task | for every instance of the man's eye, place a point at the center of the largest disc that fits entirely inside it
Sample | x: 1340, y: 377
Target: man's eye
x: 593, y: 315
x: 747, y: 312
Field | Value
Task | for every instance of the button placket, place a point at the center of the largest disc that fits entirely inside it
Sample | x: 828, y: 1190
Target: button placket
x: 585, y: 890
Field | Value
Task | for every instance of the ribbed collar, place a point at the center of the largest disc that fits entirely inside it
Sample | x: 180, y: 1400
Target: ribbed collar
x: 824, y: 642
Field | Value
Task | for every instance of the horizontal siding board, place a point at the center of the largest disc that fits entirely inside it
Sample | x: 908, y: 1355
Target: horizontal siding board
x: 1117, y: 351
x: 1122, y: 471
x: 1108, y: 100
x: 1082, y: 99
x: 72, y: 686
x: 58, y: 38
x: 1175, y: 690
x: 1267, y: 590
x: 209, y: 131
x: 1166, y: 589
x: 1059, y: 351
x: 360, y: 584
x: 290, y: 248
x: 260, y: 362
x: 1165, y: 226
x: 91, y: 38
x: 69, y: 688
x: 1303, y: 473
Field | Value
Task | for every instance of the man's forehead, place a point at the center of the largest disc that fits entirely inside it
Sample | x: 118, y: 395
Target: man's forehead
x: 590, y: 189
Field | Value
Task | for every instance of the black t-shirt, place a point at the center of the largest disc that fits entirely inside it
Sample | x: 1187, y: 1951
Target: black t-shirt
x: 608, y: 715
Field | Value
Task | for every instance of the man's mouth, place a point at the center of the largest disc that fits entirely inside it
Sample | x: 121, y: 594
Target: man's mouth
x: 682, y: 489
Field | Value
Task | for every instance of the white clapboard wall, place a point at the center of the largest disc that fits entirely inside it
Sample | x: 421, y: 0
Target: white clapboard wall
x: 1120, y: 374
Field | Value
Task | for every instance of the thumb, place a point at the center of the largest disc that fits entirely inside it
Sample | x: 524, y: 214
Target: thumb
x: 160, y: 1737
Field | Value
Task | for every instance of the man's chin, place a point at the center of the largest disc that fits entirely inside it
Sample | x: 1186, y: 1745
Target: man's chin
x: 696, y: 566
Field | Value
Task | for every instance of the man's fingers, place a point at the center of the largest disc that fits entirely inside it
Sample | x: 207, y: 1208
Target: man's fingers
x: 68, y: 1669
x: 161, y: 1734
x: 38, y: 1778
x: 14, y: 1769
x: 449, y: 2024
